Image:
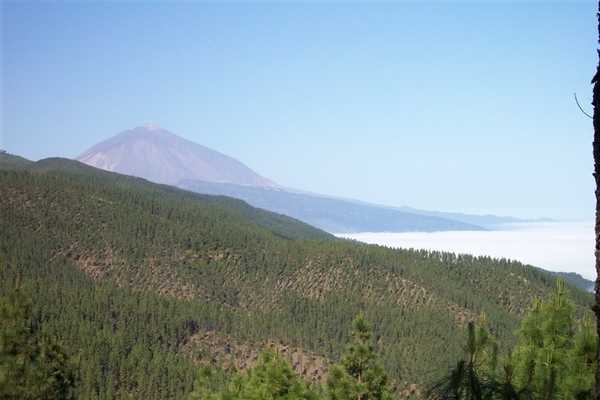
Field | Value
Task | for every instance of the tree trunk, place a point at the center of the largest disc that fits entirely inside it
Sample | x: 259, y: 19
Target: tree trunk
x: 596, y: 150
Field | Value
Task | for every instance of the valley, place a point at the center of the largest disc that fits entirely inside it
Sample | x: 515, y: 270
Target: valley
x: 299, y: 200
x: 185, y: 274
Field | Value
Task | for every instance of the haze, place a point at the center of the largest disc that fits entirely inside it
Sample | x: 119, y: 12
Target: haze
x: 454, y: 107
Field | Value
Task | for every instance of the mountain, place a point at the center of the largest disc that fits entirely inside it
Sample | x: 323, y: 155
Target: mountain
x: 487, y: 221
x: 328, y: 213
x: 280, y: 225
x: 160, y: 156
x: 12, y: 161
x: 143, y: 282
x: 577, y: 280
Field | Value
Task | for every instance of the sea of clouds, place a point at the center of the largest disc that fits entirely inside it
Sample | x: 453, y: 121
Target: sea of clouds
x: 555, y: 246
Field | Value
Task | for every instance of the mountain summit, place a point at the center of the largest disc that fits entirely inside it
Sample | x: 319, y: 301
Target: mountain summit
x: 160, y: 156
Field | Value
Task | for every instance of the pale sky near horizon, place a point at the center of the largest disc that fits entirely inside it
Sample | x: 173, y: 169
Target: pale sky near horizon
x: 446, y: 106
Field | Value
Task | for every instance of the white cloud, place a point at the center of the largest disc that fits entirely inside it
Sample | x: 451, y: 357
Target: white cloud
x: 553, y: 246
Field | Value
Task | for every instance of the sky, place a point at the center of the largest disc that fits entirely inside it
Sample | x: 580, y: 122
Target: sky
x: 444, y: 106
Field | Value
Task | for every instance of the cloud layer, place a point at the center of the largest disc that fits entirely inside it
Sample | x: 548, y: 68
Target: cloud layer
x: 564, y: 246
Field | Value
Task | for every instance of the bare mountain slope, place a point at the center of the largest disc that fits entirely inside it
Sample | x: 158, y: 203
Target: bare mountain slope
x: 160, y: 156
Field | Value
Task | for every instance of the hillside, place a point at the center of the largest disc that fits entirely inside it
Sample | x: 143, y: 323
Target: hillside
x: 144, y: 281
x: 577, y: 280
x: 278, y: 224
x: 328, y: 213
x: 488, y: 221
x: 11, y: 161
x: 160, y: 156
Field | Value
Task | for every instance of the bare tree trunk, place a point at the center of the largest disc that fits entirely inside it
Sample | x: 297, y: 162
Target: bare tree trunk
x: 596, y: 147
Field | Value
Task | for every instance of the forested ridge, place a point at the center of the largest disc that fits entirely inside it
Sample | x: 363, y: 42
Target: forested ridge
x: 131, y: 277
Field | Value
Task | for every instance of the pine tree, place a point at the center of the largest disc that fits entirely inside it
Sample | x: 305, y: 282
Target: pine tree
x: 32, y: 366
x: 272, y: 378
x: 359, y: 376
x: 472, y: 376
x: 553, y: 355
x: 581, y: 361
x: 554, y: 358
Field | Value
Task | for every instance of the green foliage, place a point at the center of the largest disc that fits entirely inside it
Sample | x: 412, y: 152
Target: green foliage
x: 125, y: 273
x: 554, y: 356
x: 210, y: 384
x: 359, y: 376
x: 32, y: 365
x: 469, y: 380
x: 272, y: 378
x: 553, y: 359
x: 126, y: 343
x: 11, y: 161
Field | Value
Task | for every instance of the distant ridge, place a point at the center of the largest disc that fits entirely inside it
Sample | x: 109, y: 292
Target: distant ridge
x: 12, y: 161
x: 160, y: 156
x: 487, y: 221
x: 331, y: 214
x: 577, y: 280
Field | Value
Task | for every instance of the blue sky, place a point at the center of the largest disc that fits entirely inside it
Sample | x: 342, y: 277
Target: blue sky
x: 448, y: 106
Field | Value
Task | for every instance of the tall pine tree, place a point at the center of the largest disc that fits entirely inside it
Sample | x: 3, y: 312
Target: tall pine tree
x: 554, y: 355
x: 359, y: 375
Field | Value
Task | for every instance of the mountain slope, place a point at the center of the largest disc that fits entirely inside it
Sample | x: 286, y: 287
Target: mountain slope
x: 486, y: 221
x: 160, y: 156
x: 577, y: 280
x: 11, y: 161
x: 330, y: 214
x: 113, y: 261
x: 280, y: 225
